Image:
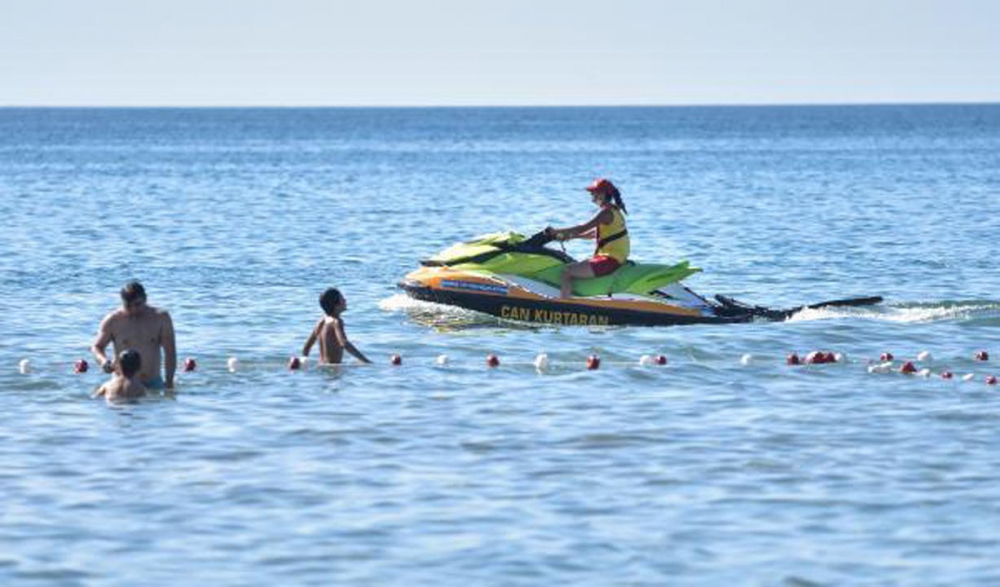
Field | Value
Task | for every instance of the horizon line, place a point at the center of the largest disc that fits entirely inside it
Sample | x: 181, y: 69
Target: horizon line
x: 501, y: 106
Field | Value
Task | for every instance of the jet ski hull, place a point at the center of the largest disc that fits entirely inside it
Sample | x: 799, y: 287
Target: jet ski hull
x: 557, y: 313
x: 513, y: 302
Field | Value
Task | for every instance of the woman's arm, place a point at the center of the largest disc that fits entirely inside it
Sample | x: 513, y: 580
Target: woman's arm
x: 585, y: 230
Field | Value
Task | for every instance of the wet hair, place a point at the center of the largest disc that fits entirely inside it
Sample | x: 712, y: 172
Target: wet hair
x: 130, y: 361
x: 329, y: 300
x: 133, y: 291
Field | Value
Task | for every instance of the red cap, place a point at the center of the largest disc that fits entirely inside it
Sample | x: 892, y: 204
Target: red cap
x: 601, y: 186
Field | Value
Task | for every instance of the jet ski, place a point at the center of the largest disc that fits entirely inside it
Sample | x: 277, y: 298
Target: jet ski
x: 514, y: 277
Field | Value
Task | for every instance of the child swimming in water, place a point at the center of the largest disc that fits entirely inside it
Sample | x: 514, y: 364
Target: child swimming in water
x: 329, y: 331
x: 124, y: 384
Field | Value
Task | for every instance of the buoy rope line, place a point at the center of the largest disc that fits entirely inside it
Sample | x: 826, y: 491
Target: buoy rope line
x: 919, y: 366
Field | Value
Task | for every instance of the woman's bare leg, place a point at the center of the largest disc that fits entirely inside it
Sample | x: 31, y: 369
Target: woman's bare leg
x: 579, y: 270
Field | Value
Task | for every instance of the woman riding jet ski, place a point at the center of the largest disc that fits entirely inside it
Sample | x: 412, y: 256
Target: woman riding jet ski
x: 518, y: 278
x: 608, y: 230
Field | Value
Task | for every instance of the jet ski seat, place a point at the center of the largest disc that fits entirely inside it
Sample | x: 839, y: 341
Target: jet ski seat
x: 629, y: 278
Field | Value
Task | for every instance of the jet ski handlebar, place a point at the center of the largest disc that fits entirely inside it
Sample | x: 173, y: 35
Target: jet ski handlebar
x: 541, y: 238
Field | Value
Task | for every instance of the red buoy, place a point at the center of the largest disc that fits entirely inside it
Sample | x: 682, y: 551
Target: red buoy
x: 991, y: 380
x: 396, y: 360
x: 593, y: 362
x: 886, y: 357
x: 908, y: 368
x: 816, y: 358
x: 829, y: 357
x: 793, y: 359
x: 294, y: 364
x: 661, y: 360
x: 80, y: 366
x: 492, y: 361
x: 947, y: 375
x: 982, y: 356
x: 189, y: 365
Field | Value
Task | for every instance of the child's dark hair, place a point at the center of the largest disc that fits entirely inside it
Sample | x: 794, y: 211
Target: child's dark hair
x: 130, y: 361
x: 329, y: 300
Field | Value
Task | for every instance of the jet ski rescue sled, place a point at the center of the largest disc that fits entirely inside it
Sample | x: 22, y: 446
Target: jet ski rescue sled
x: 517, y: 278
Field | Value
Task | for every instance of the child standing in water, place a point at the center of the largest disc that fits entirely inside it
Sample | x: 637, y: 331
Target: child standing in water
x: 124, y: 384
x: 329, y: 331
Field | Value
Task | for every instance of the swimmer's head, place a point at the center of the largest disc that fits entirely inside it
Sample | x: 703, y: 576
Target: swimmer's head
x: 129, y: 361
x: 133, y: 295
x: 332, y: 301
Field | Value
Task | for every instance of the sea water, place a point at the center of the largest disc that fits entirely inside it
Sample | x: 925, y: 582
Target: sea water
x: 723, y: 467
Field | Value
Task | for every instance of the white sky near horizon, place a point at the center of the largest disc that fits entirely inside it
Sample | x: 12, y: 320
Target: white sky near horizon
x: 496, y: 52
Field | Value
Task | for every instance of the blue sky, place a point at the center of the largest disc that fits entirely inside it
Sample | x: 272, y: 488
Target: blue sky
x: 497, y: 52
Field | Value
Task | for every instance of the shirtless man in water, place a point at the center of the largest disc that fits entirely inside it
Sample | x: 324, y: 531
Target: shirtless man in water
x: 143, y: 328
x: 329, y: 331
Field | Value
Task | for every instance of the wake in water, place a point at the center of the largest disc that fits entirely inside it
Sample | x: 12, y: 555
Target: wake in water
x: 984, y: 313
x: 437, y: 316
x: 402, y: 302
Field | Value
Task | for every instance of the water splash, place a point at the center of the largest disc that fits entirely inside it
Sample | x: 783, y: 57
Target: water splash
x: 915, y: 313
x: 402, y: 302
x: 439, y: 316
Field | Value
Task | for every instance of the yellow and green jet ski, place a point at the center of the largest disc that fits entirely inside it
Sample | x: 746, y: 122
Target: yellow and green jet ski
x: 517, y: 278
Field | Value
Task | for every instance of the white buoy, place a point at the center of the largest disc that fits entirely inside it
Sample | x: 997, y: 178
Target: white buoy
x: 24, y: 367
x: 542, y: 362
x: 442, y: 360
x: 880, y: 367
x: 233, y: 364
x: 968, y: 377
x: 646, y: 360
x: 924, y: 372
x: 925, y: 357
x: 746, y: 359
x: 839, y: 357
